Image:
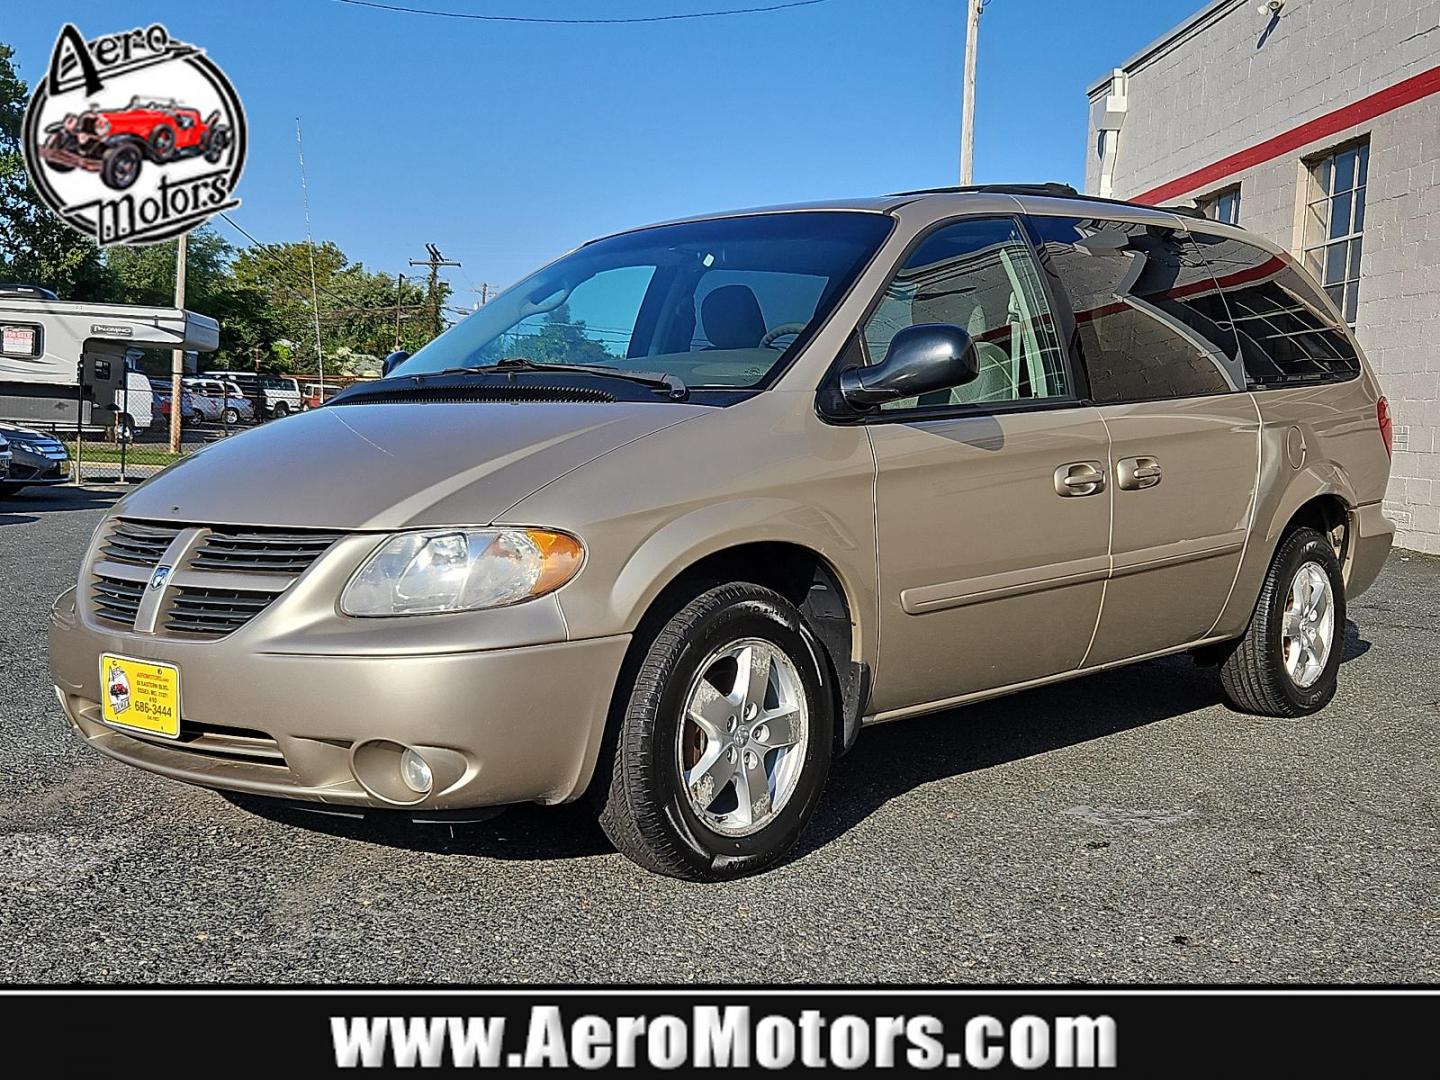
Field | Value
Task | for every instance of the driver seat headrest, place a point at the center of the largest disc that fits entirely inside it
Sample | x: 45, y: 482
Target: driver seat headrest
x: 732, y: 318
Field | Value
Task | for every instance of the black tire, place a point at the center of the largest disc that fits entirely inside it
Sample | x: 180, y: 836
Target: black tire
x: 280, y: 411
x: 162, y: 142
x: 646, y: 812
x: 1253, y: 671
x: 120, y: 167
x: 231, y: 415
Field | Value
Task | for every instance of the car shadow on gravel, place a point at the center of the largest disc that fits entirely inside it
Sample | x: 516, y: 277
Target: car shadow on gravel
x: 889, y: 761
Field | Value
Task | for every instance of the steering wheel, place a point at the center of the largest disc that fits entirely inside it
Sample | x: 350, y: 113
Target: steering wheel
x: 783, y: 330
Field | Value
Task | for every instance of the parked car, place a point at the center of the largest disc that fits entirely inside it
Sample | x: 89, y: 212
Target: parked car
x: 37, y: 459
x: 116, y: 142
x: 799, y: 471
x: 4, y: 463
x: 163, y: 389
x: 316, y: 395
x: 277, y: 395
x: 219, y: 400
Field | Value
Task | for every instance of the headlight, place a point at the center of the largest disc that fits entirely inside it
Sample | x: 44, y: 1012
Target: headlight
x: 102, y: 126
x: 425, y: 573
x: 28, y: 447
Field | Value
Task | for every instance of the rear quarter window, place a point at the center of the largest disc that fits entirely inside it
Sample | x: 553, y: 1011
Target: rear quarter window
x: 1288, y: 336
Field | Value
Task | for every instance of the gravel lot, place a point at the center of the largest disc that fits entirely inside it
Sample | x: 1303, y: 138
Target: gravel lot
x: 1125, y: 827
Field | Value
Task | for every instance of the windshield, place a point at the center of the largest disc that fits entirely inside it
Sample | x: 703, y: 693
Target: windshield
x: 720, y: 303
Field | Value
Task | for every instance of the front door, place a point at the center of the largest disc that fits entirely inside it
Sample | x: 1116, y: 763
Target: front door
x: 1166, y: 375
x: 992, y: 499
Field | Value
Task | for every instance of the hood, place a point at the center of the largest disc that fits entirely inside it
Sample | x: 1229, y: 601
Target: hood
x: 9, y: 431
x: 393, y: 466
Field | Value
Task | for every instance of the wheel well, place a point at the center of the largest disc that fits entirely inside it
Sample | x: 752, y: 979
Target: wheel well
x: 803, y: 577
x: 1327, y: 515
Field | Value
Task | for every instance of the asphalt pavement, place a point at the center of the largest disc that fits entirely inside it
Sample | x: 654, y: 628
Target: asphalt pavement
x: 1124, y: 827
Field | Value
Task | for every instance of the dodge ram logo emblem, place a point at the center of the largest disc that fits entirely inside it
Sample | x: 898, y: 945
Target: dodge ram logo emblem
x: 134, y: 138
x: 158, y: 578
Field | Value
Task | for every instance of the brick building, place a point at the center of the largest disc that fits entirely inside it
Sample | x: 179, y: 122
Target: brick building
x: 1317, y: 125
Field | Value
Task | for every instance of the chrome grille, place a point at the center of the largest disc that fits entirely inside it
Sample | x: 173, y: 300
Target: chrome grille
x: 138, y: 544
x: 214, y: 612
x: 115, y: 599
x: 265, y: 551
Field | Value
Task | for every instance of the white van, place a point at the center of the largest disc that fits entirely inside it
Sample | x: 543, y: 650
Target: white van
x: 134, y: 405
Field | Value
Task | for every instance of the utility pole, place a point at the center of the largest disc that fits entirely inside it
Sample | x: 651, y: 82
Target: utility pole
x: 399, y: 292
x: 434, y: 261
x: 177, y: 356
x: 967, y: 119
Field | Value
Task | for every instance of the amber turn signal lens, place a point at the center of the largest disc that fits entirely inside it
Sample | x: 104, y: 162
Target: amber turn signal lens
x: 560, y: 558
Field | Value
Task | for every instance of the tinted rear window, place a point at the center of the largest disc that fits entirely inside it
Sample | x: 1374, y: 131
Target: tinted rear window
x: 1287, y: 334
x: 1145, y: 308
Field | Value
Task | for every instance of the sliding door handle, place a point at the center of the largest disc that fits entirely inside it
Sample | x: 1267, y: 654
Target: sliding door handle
x: 1080, y: 478
x: 1137, y: 473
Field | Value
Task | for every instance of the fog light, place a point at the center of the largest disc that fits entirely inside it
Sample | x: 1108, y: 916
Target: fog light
x: 415, y: 771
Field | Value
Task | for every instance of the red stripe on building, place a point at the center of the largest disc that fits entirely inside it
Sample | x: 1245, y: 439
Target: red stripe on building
x: 1379, y: 103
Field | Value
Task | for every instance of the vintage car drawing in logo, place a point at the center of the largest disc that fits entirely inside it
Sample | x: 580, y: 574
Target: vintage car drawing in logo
x: 134, y: 138
x: 117, y: 685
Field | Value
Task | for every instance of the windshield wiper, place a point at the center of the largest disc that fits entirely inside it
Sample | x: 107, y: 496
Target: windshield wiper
x: 673, y: 385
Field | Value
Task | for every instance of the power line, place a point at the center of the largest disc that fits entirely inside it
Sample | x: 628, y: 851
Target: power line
x: 582, y: 22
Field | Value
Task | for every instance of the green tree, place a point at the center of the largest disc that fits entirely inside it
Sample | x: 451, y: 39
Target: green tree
x: 558, y: 340
x: 36, y: 247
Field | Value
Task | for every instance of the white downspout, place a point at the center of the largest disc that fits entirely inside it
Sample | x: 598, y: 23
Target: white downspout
x: 1109, y: 113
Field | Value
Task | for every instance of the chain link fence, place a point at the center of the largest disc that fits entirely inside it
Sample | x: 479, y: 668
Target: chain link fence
x: 130, y: 441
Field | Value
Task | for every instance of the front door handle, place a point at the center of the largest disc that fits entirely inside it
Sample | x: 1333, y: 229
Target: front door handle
x: 1137, y: 473
x: 1080, y: 478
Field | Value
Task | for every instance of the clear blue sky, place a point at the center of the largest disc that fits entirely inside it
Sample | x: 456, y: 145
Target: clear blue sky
x: 506, y: 144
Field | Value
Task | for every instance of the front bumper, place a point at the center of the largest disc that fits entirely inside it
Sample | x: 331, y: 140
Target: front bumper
x: 48, y: 467
x: 502, y: 725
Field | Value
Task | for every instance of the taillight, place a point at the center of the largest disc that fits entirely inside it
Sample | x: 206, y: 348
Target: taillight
x: 1387, y: 427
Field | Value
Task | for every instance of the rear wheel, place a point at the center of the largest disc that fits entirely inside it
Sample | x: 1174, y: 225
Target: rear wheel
x: 231, y: 415
x: 725, y: 740
x: 280, y: 410
x: 1288, y: 662
x: 162, y: 142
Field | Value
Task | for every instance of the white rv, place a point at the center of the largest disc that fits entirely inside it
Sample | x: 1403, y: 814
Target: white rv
x: 63, y: 365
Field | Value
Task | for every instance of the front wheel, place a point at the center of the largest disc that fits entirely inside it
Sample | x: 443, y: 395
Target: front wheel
x: 280, y: 411
x: 1288, y: 662
x: 120, y: 166
x: 725, y: 740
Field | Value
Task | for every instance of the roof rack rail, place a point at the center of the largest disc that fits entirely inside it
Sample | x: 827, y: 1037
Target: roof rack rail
x: 1064, y: 191
x: 1060, y: 191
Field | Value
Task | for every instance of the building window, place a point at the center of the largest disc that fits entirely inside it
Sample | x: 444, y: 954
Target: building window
x: 1223, y: 206
x: 1335, y: 222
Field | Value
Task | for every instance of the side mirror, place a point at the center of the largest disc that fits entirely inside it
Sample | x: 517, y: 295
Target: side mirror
x: 921, y: 359
x: 394, y: 360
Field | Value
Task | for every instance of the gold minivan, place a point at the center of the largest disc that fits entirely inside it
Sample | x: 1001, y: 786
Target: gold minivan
x: 675, y: 517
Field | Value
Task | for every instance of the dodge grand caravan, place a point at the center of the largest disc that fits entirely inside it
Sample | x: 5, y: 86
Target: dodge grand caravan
x: 668, y: 522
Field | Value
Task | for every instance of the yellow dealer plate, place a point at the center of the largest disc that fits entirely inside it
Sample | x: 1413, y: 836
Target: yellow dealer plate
x: 141, y: 695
